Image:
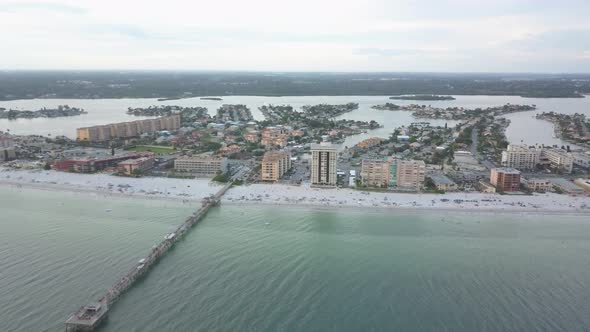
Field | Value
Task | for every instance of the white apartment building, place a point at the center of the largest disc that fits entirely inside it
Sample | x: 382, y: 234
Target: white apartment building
x: 323, y: 164
x: 203, y: 165
x: 581, y: 159
x: 521, y: 157
x: 559, y: 159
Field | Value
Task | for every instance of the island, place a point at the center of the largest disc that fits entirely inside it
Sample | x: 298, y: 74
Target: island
x: 460, y: 113
x: 422, y: 97
x: 187, y: 114
x: 386, y: 107
x: 169, y: 98
x: 60, y: 111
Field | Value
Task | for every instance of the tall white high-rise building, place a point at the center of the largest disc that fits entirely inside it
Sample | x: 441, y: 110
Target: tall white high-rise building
x: 323, y: 164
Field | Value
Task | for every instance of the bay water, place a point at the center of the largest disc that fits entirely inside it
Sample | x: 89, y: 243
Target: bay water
x: 524, y: 127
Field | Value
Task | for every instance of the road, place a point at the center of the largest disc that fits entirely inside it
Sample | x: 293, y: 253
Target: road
x: 475, y: 140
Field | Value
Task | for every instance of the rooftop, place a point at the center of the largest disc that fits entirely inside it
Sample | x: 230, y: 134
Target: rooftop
x: 507, y: 170
x: 566, y: 184
x: 441, y: 179
x: 199, y: 157
x: 323, y: 146
x: 134, y: 161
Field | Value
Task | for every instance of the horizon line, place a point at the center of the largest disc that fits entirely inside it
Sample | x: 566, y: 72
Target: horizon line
x: 4, y: 70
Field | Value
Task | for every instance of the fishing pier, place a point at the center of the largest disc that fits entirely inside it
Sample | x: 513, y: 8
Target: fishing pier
x: 90, y: 316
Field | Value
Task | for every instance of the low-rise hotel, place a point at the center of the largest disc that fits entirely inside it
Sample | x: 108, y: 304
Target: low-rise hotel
x: 135, y: 166
x: 201, y: 165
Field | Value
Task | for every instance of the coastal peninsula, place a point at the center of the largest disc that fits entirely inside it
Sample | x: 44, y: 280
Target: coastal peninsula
x: 328, y: 111
x: 574, y: 128
x: 460, y: 113
x: 318, y: 120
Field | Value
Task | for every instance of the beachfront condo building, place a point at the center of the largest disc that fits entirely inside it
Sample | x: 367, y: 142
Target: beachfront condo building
x: 323, y: 164
x: 274, y: 165
x: 411, y: 174
x: 505, y: 179
x: 127, y: 129
x: 521, y: 157
x: 201, y: 165
x: 558, y: 159
x: 375, y: 173
x: 526, y: 158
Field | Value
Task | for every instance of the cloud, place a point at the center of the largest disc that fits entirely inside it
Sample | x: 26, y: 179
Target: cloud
x: 41, y: 6
x: 355, y: 35
x: 562, y: 40
x: 394, y: 52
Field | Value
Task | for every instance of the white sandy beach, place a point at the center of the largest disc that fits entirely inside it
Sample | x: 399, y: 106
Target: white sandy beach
x: 275, y: 194
x: 106, y: 184
x: 291, y: 195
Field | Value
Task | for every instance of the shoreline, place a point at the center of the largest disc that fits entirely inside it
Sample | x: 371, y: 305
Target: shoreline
x: 276, y: 195
x: 418, y: 209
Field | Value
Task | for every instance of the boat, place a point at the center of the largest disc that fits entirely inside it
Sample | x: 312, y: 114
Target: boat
x: 170, y: 236
x: 140, y: 266
x: 108, y: 210
x: 142, y: 261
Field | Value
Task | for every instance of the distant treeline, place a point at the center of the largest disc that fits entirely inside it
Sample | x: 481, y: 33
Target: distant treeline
x: 159, y: 84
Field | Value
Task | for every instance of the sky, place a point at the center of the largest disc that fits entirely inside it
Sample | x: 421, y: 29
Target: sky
x: 545, y: 36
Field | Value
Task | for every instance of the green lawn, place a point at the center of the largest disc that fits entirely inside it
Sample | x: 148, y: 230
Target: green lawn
x: 153, y: 148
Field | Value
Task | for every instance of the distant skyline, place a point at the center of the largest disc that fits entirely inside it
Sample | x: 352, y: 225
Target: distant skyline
x: 531, y: 36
